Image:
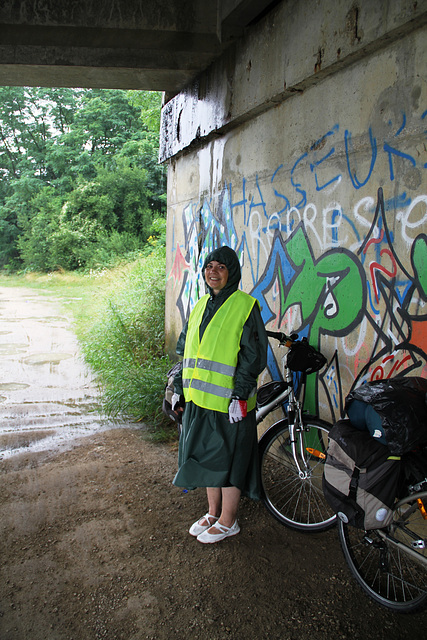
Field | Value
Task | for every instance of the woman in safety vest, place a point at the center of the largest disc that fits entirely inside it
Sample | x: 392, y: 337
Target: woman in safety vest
x: 224, y: 345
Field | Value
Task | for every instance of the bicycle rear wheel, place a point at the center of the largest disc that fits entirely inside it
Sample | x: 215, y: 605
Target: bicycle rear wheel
x: 390, y: 564
x: 296, y: 502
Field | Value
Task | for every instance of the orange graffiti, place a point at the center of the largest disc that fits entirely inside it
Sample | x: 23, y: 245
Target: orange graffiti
x: 419, y: 334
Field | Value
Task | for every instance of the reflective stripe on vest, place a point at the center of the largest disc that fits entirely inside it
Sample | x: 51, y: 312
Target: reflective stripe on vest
x: 209, y: 365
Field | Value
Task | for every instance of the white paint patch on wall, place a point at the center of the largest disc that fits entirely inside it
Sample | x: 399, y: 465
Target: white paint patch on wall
x: 217, y: 164
x: 210, y: 159
x: 204, y: 157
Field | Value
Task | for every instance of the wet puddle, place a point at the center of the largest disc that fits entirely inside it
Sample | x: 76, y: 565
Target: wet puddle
x: 47, y: 358
x: 12, y: 349
x: 47, y: 396
x: 12, y: 386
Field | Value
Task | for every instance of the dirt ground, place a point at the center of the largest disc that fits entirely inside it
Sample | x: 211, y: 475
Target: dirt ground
x: 94, y: 544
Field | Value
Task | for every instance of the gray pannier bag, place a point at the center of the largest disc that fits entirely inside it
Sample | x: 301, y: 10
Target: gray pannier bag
x: 361, y: 477
x: 176, y: 416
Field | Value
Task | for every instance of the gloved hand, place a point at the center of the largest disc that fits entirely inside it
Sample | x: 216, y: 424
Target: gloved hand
x: 237, y: 410
x: 177, y: 402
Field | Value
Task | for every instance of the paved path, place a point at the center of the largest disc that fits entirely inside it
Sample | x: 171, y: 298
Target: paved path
x: 47, y: 397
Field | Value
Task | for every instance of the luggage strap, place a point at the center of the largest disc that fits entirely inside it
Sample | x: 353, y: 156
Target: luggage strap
x: 354, y: 483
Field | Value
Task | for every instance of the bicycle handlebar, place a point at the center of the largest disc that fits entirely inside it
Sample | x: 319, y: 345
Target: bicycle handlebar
x: 282, y: 337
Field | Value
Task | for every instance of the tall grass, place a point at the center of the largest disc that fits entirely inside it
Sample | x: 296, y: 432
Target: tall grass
x: 124, y: 343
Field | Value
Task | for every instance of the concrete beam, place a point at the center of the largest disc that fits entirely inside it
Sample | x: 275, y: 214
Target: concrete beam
x: 236, y: 15
x: 141, y: 44
x: 102, y: 38
x: 277, y: 59
x: 94, y: 77
x: 196, y: 16
x: 109, y: 58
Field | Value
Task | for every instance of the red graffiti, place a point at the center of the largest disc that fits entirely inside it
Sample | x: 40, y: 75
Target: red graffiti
x: 379, y: 372
x: 179, y: 267
x: 374, y: 241
x: 374, y: 267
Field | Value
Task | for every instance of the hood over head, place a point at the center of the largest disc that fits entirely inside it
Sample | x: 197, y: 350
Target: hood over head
x: 226, y: 256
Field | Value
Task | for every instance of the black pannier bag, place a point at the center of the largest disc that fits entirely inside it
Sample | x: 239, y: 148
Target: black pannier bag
x: 269, y: 391
x: 400, y: 406
x: 361, y: 477
x: 176, y: 416
x: 303, y: 357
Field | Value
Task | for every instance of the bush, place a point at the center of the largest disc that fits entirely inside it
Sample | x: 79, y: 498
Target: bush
x: 125, y: 344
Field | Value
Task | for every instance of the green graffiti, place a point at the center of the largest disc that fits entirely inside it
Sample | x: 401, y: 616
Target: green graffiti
x: 419, y: 263
x: 330, y: 291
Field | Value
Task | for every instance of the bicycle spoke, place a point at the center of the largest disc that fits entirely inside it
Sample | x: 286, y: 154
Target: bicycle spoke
x: 395, y: 578
x: 295, y: 501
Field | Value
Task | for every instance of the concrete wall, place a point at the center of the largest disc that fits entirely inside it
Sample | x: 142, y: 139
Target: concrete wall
x: 304, y: 148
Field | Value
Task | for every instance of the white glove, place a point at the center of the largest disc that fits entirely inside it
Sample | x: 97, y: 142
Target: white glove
x: 237, y: 410
x: 175, y: 400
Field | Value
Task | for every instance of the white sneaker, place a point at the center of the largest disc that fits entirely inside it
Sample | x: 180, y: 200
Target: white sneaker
x: 197, y: 528
x: 221, y: 532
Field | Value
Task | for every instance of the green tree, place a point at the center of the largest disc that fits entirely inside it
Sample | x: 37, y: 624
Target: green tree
x: 74, y: 160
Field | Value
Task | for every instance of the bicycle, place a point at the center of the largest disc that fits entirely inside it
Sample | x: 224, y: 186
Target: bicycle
x: 390, y: 564
x: 293, y: 450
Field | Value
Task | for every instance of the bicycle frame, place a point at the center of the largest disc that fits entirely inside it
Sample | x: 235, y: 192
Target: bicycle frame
x: 404, y: 548
x: 293, y: 411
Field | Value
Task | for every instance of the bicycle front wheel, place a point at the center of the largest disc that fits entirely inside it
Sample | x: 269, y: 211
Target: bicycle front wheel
x: 390, y: 564
x: 294, y: 501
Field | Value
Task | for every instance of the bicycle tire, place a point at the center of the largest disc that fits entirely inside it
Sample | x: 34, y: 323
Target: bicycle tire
x: 389, y: 574
x: 295, y: 502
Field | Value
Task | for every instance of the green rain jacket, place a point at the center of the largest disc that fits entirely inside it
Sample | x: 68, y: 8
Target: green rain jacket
x: 212, y: 451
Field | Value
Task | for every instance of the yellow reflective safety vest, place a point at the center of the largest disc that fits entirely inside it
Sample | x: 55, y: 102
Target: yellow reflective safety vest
x: 209, y: 364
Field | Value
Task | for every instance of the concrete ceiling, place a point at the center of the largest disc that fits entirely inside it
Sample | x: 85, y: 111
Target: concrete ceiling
x: 125, y: 44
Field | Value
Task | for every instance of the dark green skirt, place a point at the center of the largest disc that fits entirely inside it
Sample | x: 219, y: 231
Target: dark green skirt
x: 216, y: 453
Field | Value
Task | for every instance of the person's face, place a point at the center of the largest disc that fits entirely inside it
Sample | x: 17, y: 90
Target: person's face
x: 216, y: 276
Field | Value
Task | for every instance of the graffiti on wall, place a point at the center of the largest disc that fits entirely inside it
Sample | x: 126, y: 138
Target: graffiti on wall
x: 336, y: 278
